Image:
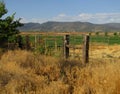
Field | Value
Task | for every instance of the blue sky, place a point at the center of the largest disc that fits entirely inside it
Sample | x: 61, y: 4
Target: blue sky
x: 95, y: 11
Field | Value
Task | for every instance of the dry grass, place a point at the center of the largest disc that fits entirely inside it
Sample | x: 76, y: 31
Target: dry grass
x: 22, y: 72
x: 105, y: 51
x: 98, y: 51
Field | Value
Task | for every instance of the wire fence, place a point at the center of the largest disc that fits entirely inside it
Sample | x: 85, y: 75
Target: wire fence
x: 101, y: 47
x: 105, y: 48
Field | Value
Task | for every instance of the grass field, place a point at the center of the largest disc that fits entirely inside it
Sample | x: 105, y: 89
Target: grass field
x: 29, y: 72
x: 23, y: 72
x: 76, y: 39
x: 52, y: 44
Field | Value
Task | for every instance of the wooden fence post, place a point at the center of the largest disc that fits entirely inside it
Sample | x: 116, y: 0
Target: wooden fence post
x: 39, y: 40
x: 20, y: 41
x: 86, y: 49
x: 35, y: 41
x: 28, y: 42
x: 66, y: 48
x: 55, y: 45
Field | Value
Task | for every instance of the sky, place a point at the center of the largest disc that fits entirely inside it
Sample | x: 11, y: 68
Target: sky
x: 40, y: 11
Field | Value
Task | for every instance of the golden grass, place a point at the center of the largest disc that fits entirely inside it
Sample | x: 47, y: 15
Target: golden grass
x: 22, y: 72
x: 98, y: 51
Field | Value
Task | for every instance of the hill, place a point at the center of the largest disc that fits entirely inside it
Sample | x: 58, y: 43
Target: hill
x: 70, y: 27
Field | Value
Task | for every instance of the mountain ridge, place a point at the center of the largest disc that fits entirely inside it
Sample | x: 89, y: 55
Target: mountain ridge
x: 70, y: 27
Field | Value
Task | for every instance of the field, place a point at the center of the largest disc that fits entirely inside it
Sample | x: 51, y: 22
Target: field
x: 101, y: 46
x: 23, y: 72
x: 32, y: 72
x: 75, y: 38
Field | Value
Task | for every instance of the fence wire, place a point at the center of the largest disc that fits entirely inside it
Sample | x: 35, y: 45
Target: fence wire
x: 101, y: 47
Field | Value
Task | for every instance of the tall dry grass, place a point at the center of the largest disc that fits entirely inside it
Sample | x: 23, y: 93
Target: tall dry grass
x: 23, y: 72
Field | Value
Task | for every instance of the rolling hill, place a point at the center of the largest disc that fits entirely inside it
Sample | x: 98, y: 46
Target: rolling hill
x: 70, y: 27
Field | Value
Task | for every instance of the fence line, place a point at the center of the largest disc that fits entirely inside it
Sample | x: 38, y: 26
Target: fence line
x: 85, y: 48
x: 69, y: 46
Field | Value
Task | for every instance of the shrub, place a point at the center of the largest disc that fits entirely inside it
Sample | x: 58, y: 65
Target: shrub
x: 25, y: 72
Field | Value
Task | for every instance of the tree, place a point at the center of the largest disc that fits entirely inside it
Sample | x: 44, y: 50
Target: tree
x: 8, y: 25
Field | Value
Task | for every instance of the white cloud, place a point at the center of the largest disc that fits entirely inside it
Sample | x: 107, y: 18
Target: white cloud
x: 94, y: 18
x: 23, y: 20
x: 35, y: 20
x: 84, y: 17
x: 62, y: 15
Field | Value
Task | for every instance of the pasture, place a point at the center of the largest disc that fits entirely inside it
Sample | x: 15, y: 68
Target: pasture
x: 41, y: 68
x: 101, y: 46
x: 23, y: 72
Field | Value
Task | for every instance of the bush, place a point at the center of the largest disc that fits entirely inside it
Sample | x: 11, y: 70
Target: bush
x: 24, y: 72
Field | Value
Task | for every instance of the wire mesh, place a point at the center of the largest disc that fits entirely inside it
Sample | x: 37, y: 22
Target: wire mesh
x: 101, y: 47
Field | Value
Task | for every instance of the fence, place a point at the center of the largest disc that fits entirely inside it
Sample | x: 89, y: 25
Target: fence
x: 85, y: 48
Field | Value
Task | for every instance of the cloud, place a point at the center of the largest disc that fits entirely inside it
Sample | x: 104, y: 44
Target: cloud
x: 106, y: 17
x: 23, y: 20
x: 84, y: 17
x: 94, y: 18
x: 62, y: 15
x: 35, y: 20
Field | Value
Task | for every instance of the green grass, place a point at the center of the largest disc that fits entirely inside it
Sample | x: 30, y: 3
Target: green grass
x: 47, y: 45
x: 111, y: 40
x: 75, y: 40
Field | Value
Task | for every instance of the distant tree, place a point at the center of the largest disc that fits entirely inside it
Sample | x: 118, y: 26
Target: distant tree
x: 8, y: 25
x: 90, y: 33
x: 97, y: 33
x: 106, y: 33
x: 115, y: 33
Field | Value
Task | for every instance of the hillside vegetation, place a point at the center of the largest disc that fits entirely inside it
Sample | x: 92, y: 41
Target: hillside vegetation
x: 23, y: 72
x: 70, y: 27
